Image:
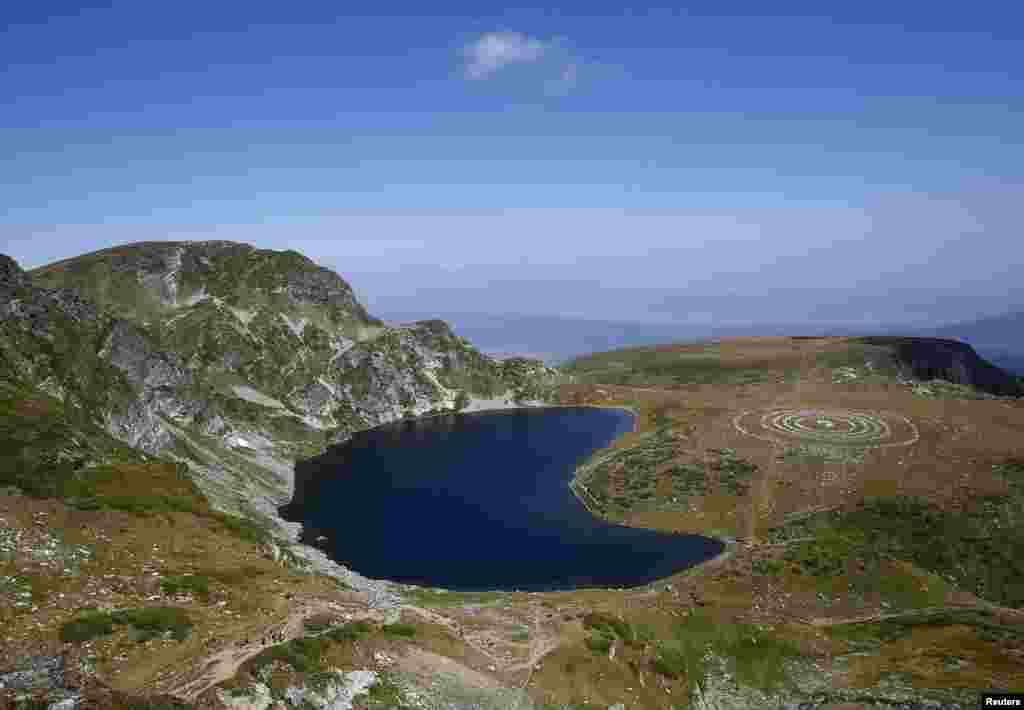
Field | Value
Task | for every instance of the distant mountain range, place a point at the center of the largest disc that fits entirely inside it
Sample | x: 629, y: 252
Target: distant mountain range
x: 555, y: 339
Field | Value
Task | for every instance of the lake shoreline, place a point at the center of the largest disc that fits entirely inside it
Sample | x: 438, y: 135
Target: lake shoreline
x: 413, y: 470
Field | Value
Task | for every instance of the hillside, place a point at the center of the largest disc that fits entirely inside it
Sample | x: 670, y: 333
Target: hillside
x: 158, y: 394
x: 763, y: 360
x: 238, y: 360
x: 154, y: 397
x: 877, y: 517
x: 1000, y: 338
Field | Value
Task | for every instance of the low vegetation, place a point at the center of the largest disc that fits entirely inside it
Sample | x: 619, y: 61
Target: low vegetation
x: 425, y: 596
x: 48, y: 452
x: 980, y: 548
x: 665, y: 366
x: 146, y: 623
x: 822, y: 454
x: 303, y: 655
x: 399, y: 630
x: 606, y: 629
x: 657, y: 473
x: 307, y: 654
x: 194, y: 584
x: 985, y: 625
x: 941, y: 389
x: 756, y: 658
x: 353, y: 631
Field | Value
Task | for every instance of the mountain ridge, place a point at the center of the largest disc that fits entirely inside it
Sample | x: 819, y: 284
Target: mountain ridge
x: 237, y: 360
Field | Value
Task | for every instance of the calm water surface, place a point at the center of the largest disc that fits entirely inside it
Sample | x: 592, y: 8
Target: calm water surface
x: 479, y: 502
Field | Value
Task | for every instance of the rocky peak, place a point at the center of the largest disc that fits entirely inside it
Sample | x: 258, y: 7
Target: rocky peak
x: 11, y: 275
x: 152, y: 281
x: 21, y: 299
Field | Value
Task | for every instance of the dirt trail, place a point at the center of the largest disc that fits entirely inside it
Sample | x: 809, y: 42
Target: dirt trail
x: 212, y: 669
x: 539, y: 648
x: 428, y: 664
x: 453, y: 626
x: 208, y: 671
x: 541, y: 643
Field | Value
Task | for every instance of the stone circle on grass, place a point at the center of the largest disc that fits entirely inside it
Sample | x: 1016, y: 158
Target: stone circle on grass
x: 831, y: 427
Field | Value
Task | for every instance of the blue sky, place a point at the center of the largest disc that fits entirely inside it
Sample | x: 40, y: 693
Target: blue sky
x: 704, y: 163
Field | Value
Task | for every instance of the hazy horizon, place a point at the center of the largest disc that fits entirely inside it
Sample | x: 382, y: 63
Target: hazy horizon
x: 690, y: 166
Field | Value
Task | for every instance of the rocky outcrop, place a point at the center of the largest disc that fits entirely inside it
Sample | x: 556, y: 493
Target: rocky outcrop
x: 331, y: 690
x: 949, y: 360
x: 234, y: 360
x: 11, y: 276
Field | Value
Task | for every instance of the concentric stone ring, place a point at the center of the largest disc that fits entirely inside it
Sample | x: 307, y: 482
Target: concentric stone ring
x: 828, y: 426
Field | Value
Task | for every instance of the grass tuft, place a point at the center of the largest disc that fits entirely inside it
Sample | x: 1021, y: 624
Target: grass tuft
x: 398, y: 630
x: 194, y: 584
x: 146, y: 622
x: 350, y: 632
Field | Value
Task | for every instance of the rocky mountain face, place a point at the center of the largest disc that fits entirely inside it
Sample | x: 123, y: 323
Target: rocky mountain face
x: 949, y: 360
x: 233, y: 360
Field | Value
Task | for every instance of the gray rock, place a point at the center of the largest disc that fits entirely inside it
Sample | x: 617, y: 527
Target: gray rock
x: 11, y: 275
x: 42, y: 673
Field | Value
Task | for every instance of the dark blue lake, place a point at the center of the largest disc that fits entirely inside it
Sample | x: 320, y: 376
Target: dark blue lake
x: 480, y: 502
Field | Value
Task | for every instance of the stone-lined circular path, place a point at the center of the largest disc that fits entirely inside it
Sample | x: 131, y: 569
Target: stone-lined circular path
x: 837, y: 427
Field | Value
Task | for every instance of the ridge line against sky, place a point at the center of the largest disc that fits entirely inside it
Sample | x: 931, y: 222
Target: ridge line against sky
x: 652, y: 165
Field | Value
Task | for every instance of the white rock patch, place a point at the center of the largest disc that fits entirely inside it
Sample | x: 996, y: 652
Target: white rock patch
x: 256, y: 697
x: 242, y: 315
x: 334, y: 695
x: 505, y: 401
x: 256, y: 397
x: 197, y: 297
x: 447, y: 396
x: 296, y: 326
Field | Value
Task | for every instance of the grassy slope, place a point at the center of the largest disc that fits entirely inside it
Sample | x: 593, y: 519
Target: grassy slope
x: 905, y: 554
x: 656, y: 366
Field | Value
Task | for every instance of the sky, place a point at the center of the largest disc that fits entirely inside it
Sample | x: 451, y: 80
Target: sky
x: 710, y: 162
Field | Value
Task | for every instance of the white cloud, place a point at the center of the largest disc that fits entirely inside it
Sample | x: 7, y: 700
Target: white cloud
x: 495, y: 50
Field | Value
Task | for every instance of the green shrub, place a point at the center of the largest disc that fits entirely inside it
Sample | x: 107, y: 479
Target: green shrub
x: 302, y: 654
x: 153, y: 621
x: 195, y: 584
x: 599, y: 643
x: 243, y: 527
x: 87, y: 626
x: 148, y: 622
x: 398, y: 629
x: 611, y: 626
x: 350, y: 632
x: 385, y: 693
x: 673, y: 661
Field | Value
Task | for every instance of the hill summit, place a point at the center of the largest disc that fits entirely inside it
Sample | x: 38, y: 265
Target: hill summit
x: 234, y: 360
